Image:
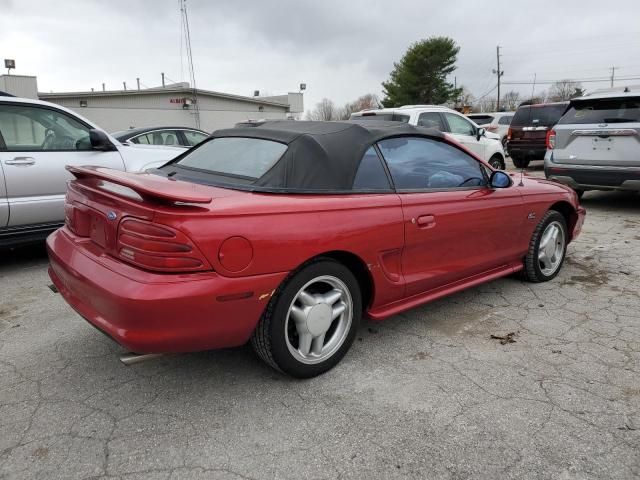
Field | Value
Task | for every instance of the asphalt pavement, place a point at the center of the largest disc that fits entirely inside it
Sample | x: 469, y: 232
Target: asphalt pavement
x: 428, y: 394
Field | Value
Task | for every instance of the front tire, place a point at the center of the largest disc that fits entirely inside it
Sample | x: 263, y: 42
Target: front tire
x: 497, y: 162
x: 311, y: 321
x: 505, y: 146
x: 547, y: 248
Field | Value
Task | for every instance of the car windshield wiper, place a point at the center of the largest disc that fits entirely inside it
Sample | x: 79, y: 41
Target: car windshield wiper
x: 620, y: 120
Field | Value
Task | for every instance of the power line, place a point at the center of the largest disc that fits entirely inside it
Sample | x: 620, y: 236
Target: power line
x: 548, y: 82
x: 486, y: 93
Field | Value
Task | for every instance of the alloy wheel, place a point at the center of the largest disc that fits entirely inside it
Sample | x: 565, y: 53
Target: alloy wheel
x: 319, y: 319
x: 551, y: 248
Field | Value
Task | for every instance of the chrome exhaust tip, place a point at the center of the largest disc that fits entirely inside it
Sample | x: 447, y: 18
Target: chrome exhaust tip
x: 132, y: 358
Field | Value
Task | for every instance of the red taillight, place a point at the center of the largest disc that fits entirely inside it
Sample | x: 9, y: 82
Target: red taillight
x: 509, y: 134
x: 551, y: 139
x: 158, y: 247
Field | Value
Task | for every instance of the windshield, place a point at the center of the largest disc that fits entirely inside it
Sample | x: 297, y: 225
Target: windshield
x: 538, y: 115
x: 611, y: 110
x: 248, y: 158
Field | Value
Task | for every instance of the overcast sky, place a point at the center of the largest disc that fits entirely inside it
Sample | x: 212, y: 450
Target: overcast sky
x: 340, y: 49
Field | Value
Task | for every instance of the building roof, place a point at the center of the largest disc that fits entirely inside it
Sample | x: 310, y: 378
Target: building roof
x: 171, y: 89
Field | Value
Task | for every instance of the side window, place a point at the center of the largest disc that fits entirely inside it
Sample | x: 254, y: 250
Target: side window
x: 423, y: 163
x: 459, y: 125
x: 140, y: 139
x: 27, y: 128
x: 194, y: 138
x: 162, y: 137
x: 371, y: 174
x: 431, y: 120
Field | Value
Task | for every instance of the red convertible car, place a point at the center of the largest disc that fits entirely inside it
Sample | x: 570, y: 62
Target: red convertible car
x: 287, y: 233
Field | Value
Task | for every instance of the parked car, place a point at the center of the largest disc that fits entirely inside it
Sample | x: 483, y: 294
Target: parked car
x: 596, y: 143
x: 495, y: 122
x: 37, y: 140
x: 169, y: 136
x: 288, y: 242
x: 526, y: 138
x: 484, y: 144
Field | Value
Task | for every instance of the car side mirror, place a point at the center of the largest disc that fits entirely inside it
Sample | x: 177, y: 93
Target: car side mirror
x: 100, y: 141
x: 499, y: 179
x: 480, y: 133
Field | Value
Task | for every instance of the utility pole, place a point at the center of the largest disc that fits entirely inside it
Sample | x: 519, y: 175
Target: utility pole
x: 455, y: 88
x: 499, y: 73
x: 613, y: 70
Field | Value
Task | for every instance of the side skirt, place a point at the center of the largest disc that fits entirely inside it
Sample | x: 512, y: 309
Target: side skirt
x: 394, y: 308
x: 12, y: 236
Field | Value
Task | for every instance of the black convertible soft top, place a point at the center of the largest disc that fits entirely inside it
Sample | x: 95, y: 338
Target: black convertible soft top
x: 321, y: 156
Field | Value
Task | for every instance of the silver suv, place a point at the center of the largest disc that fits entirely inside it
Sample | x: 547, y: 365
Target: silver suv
x: 596, y: 143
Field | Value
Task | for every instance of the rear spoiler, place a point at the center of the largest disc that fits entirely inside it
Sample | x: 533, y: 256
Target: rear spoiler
x: 146, y: 185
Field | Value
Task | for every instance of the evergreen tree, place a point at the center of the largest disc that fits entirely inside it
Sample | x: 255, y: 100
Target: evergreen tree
x: 421, y: 75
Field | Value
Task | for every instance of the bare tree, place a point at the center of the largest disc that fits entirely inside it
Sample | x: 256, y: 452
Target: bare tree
x: 539, y: 97
x: 511, y: 100
x: 466, y: 97
x: 564, y: 90
x: 325, y: 111
x: 365, y: 102
x: 486, y: 104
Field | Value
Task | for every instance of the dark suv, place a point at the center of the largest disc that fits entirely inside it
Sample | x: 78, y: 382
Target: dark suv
x: 527, y: 135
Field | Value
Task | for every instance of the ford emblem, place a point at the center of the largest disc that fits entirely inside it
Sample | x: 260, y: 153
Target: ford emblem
x: 112, y: 215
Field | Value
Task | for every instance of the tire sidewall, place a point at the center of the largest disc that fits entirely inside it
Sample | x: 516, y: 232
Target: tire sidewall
x: 277, y: 328
x: 497, y: 161
x: 553, y: 216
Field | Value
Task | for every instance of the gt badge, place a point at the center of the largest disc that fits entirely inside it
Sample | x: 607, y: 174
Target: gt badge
x: 531, y: 216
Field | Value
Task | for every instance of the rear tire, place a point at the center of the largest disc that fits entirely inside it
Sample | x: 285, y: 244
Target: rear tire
x: 497, y: 162
x: 547, y: 248
x: 311, y: 321
x: 519, y: 162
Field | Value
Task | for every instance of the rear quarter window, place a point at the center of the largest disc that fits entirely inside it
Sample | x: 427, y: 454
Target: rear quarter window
x: 390, y: 117
x: 505, y: 120
x: 481, y: 119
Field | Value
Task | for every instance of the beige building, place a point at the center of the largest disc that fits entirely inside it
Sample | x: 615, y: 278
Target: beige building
x: 175, y: 105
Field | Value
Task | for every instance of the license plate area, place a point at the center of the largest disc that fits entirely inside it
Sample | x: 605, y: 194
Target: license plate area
x: 602, y: 144
x: 97, y: 229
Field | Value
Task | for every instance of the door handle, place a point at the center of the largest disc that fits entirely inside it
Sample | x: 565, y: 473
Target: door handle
x: 426, y: 221
x: 21, y: 161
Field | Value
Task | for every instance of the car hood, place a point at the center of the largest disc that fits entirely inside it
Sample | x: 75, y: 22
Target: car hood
x: 536, y: 185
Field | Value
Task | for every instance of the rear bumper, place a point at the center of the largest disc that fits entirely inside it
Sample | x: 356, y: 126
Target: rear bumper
x: 531, y: 151
x: 156, y: 313
x: 594, y: 178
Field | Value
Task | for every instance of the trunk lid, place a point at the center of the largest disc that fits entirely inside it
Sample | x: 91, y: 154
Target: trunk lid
x: 113, y: 212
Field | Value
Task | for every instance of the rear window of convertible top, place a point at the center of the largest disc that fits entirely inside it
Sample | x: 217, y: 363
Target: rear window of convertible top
x: 248, y: 158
